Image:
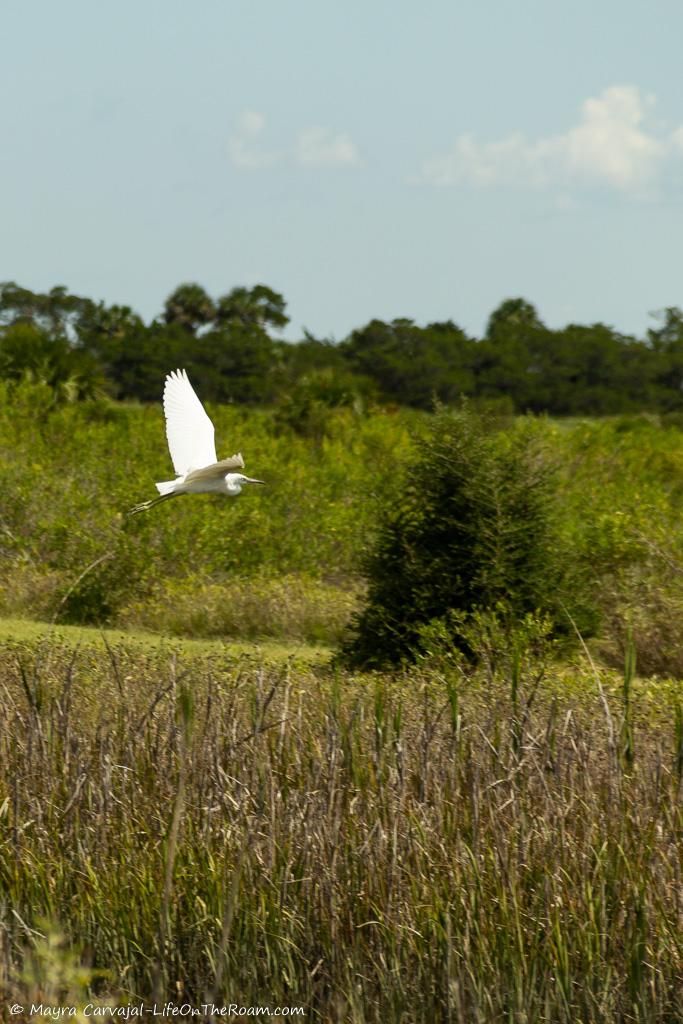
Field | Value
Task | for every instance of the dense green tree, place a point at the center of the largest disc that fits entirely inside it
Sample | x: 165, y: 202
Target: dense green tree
x: 472, y: 531
x: 115, y: 337
x: 509, y: 361
x: 307, y: 405
x: 230, y: 358
x: 259, y: 306
x: 592, y: 370
x: 189, y: 307
x: 513, y: 317
x: 29, y: 353
x: 139, y: 361
x: 577, y: 370
x: 310, y: 355
x: 413, y: 365
x: 227, y: 344
x: 666, y: 343
x: 235, y: 364
x: 39, y: 341
x: 56, y: 312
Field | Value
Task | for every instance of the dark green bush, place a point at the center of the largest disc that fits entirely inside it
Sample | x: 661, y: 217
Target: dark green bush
x: 475, y: 531
x: 101, y: 587
x: 307, y: 406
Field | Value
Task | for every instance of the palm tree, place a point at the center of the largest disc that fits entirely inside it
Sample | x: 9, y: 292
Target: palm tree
x: 259, y: 307
x: 189, y: 307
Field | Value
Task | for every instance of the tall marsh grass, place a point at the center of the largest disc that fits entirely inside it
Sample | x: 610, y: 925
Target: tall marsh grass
x: 409, y: 848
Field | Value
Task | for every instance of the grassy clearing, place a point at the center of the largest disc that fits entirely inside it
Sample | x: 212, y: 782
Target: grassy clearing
x: 32, y: 634
x: 431, y: 847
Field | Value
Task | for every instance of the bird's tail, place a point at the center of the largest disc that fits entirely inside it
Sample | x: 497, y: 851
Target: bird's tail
x: 144, y: 506
x: 166, y: 486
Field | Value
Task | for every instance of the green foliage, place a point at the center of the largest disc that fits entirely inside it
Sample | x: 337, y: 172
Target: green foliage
x: 56, y: 312
x: 489, y: 637
x: 513, y: 318
x: 103, y: 586
x: 289, y: 607
x: 55, y: 976
x: 227, y: 345
x: 69, y: 472
x: 189, y: 307
x: 307, y: 406
x: 29, y: 353
x: 68, y: 475
x: 474, y: 530
x: 259, y: 306
x: 621, y: 486
x: 311, y: 355
x: 666, y: 343
x: 234, y: 364
x: 412, y: 365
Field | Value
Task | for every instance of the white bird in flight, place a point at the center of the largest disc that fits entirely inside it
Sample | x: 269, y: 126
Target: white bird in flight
x: 191, y: 443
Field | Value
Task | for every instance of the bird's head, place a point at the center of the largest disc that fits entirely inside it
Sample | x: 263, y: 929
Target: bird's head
x: 239, y: 478
x: 234, y: 482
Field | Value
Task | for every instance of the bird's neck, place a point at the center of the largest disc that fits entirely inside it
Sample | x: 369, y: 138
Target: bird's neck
x: 232, y: 483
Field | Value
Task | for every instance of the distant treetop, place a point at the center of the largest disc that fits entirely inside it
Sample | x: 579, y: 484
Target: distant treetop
x: 231, y: 346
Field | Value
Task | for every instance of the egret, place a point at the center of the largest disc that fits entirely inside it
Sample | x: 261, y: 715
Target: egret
x: 190, y: 436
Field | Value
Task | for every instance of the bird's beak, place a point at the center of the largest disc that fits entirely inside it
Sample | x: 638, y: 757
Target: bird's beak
x: 251, y: 481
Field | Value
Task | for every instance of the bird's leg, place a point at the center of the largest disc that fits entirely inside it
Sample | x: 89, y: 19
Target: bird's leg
x: 144, y: 506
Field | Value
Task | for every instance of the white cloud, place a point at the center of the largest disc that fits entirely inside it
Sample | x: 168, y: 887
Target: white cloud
x: 610, y: 142
x: 315, y: 146
x: 252, y: 122
x: 677, y: 139
x: 610, y: 145
x: 244, y: 145
x: 319, y: 146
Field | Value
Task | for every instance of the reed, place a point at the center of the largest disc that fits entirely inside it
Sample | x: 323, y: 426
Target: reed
x: 429, y: 846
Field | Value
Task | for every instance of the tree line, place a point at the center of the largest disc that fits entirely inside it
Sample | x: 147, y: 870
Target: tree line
x: 230, y: 347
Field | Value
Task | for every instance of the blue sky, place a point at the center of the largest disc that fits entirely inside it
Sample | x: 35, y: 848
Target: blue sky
x: 366, y: 158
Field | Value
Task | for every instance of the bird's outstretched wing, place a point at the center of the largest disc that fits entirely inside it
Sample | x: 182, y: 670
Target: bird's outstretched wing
x: 217, y: 470
x: 189, y: 430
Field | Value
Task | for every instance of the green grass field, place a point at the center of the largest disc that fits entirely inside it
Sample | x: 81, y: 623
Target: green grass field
x: 32, y: 634
x: 195, y: 802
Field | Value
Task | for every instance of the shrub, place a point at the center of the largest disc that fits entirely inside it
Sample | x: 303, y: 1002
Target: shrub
x: 105, y: 584
x: 475, y: 531
x: 307, y: 406
x: 290, y: 607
